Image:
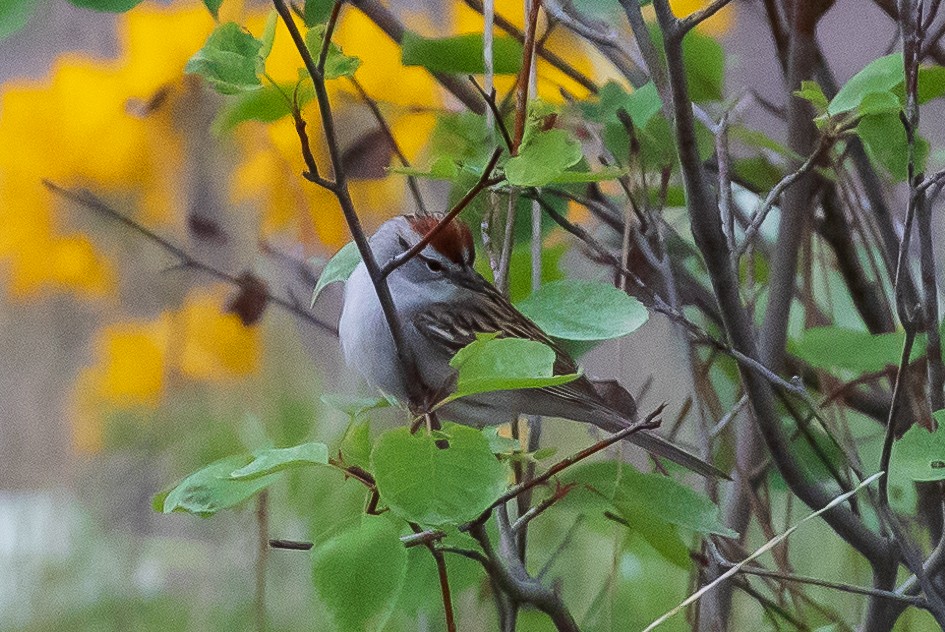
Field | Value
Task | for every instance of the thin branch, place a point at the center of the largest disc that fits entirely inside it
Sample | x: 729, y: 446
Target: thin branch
x: 694, y: 19
x: 767, y: 546
x: 382, y: 122
x: 385, y: 19
x: 413, y: 382
x: 842, y: 587
x: 552, y: 58
x: 494, y: 109
x: 485, y: 181
x: 262, y: 556
x: 521, y: 89
x: 329, y: 30
x: 93, y: 203
x: 649, y: 423
x: 291, y: 545
x: 540, y: 508
x: 758, y: 218
x: 707, y: 233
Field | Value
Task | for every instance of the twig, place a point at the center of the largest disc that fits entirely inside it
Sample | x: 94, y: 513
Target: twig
x: 521, y: 89
x: 813, y: 581
x: 767, y: 546
x: 413, y: 382
x: 262, y: 556
x: 93, y: 203
x: 291, y: 545
x: 484, y: 181
x: 329, y: 30
x: 552, y: 58
x: 758, y: 218
x: 489, y: 98
x: 511, y: 575
x: 649, y: 423
x: 382, y: 122
x: 537, y: 510
x: 385, y: 19
x: 694, y: 19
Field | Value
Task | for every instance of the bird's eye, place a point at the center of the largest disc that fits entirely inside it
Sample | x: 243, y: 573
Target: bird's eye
x: 434, y: 265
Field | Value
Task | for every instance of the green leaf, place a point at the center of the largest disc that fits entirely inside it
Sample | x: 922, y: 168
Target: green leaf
x: 267, y: 462
x: 879, y: 103
x: 425, y: 484
x: 573, y: 309
x: 316, y: 11
x: 338, y: 268
x: 211, y: 489
x: 920, y: 455
x: 355, y: 406
x: 704, y: 61
x: 213, y: 6
x: 544, y: 158
x: 811, y: 91
x: 886, y: 144
x: 501, y: 364
x: 337, y: 64
x: 442, y: 168
x: 107, y: 6
x: 880, y: 75
x: 849, y: 349
x: 637, y: 495
x: 359, y: 574
x: 356, y: 444
x: 229, y: 60
x: 460, y: 54
x: 931, y: 83
x: 580, y: 177
x: 269, y: 34
x: 14, y: 14
x: 266, y: 105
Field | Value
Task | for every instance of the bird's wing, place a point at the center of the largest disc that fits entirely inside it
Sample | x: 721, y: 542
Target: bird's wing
x: 452, y: 329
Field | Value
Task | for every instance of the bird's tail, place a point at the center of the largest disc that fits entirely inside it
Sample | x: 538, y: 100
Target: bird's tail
x: 620, y: 411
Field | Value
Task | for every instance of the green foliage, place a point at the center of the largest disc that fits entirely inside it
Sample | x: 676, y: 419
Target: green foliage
x: 920, y: 455
x: 338, y: 268
x: 267, y: 462
x: 544, y: 157
x: 886, y: 75
x: 359, y: 574
x: 213, y: 6
x: 337, y: 64
x: 833, y: 348
x: 14, y: 14
x: 267, y: 104
x: 704, y: 61
x: 211, y: 489
x: 573, y: 309
x: 880, y: 75
x: 442, y: 168
x: 460, y: 53
x: 653, y: 505
x: 107, y: 6
x: 886, y: 144
x: 230, y: 60
x: 431, y: 486
x: 652, y: 131
x: 316, y: 11
x: 501, y: 364
x: 811, y: 91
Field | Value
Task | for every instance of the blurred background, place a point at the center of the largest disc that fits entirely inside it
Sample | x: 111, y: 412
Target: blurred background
x: 122, y: 371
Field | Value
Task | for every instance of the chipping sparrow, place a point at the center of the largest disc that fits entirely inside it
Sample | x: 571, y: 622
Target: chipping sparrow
x: 443, y: 303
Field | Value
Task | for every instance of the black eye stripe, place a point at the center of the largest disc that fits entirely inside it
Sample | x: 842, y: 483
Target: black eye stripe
x: 432, y: 264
